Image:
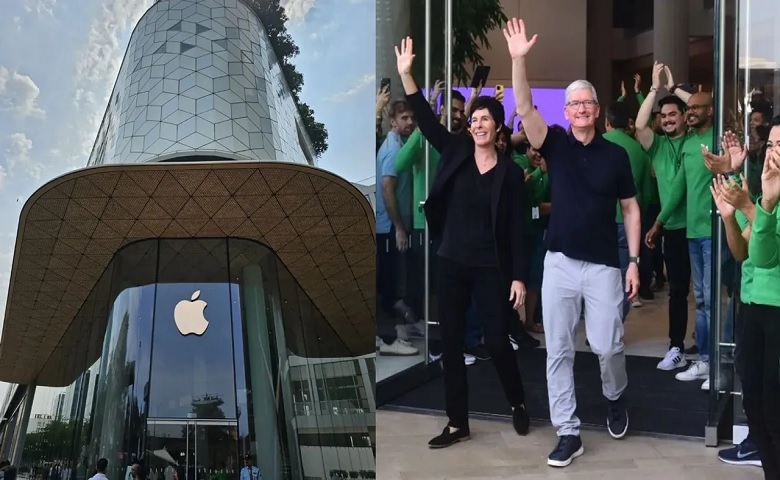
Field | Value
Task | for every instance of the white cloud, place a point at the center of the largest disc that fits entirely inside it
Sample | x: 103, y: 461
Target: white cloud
x: 18, y: 23
x: 362, y: 83
x: 296, y: 10
x: 18, y: 156
x: 97, y: 68
x: 19, y: 94
x: 102, y: 57
x: 41, y: 7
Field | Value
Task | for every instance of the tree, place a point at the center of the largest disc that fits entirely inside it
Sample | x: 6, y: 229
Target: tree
x: 274, y: 18
x: 472, y: 20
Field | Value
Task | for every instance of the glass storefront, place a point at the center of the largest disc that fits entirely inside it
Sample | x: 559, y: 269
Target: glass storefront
x: 748, y: 90
x: 211, y: 351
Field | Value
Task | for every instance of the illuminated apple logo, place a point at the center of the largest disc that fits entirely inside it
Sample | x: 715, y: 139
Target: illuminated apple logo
x: 189, y: 317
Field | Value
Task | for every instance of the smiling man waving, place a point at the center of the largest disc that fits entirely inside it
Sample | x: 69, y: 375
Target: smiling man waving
x: 588, y: 175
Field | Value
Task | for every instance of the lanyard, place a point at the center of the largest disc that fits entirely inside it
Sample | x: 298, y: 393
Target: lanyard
x: 677, y: 153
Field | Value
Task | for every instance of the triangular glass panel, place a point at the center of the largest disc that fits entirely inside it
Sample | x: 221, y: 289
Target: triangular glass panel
x: 200, y: 28
x: 163, y: 49
x: 222, y: 43
x: 175, y: 28
x: 185, y: 47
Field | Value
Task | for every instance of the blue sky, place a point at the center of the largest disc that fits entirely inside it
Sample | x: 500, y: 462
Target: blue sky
x: 59, y: 60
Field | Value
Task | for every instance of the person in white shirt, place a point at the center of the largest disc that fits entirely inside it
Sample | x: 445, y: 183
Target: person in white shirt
x: 101, y: 467
x: 250, y: 472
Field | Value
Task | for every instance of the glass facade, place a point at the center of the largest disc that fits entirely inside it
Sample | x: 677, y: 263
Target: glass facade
x: 748, y: 90
x: 201, y: 76
x: 211, y: 351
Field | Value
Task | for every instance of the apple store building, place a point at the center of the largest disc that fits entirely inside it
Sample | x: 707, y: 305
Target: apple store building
x: 201, y: 291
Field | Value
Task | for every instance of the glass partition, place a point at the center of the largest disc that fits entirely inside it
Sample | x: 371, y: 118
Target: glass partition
x: 750, y: 94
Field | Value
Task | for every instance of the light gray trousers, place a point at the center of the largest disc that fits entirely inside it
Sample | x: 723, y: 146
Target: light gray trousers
x: 566, y: 286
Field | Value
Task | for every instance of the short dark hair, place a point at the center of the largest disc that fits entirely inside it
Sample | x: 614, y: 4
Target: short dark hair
x: 672, y: 100
x: 775, y: 122
x: 456, y: 95
x: 617, y: 115
x: 766, y: 113
x: 507, y: 132
x: 101, y: 465
x: 493, y: 106
x: 398, y: 107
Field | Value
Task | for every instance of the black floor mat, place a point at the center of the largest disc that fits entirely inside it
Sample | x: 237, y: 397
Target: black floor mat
x: 657, y: 402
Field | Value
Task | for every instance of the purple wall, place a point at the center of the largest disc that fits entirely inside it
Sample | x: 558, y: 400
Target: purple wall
x: 549, y: 101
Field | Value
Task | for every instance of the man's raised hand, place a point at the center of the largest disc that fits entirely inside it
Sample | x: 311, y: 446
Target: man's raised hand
x: 405, y: 56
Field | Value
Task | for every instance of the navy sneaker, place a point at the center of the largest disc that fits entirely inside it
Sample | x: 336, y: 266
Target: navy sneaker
x: 617, y: 419
x: 569, y: 447
x: 746, y: 453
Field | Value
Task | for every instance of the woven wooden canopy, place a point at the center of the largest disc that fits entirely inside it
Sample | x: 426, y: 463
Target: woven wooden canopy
x: 319, y: 225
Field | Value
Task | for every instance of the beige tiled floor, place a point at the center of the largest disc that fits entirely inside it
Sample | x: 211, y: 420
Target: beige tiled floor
x: 496, y: 452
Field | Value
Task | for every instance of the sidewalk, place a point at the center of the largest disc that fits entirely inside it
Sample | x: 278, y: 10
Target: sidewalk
x: 495, y: 451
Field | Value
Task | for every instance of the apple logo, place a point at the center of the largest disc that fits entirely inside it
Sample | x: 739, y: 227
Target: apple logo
x: 189, y: 317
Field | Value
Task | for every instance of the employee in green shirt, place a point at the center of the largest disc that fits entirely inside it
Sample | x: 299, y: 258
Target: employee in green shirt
x: 665, y: 151
x: 758, y: 346
x: 691, y: 184
x: 616, y: 121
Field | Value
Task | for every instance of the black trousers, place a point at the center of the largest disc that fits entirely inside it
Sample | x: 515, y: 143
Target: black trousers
x: 656, y: 254
x: 758, y: 365
x: 458, y: 284
x: 678, y: 273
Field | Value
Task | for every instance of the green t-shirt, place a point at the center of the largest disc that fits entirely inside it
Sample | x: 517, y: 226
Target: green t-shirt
x: 764, y: 250
x: 665, y: 158
x: 640, y: 167
x: 412, y: 156
x: 692, y: 184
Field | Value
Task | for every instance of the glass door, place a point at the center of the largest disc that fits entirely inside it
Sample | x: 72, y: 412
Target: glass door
x: 197, y: 449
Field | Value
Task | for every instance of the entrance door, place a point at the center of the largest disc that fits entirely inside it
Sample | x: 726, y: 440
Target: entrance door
x: 205, y: 449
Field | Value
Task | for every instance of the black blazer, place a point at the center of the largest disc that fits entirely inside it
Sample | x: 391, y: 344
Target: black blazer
x: 508, y: 201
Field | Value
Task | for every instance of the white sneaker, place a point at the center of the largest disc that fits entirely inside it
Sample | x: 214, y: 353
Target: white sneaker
x: 673, y: 359
x: 399, y: 348
x: 637, y: 303
x: 515, y: 344
x: 469, y: 359
x: 697, y: 371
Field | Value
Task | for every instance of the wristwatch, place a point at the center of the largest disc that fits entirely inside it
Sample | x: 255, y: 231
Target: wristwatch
x: 633, y: 260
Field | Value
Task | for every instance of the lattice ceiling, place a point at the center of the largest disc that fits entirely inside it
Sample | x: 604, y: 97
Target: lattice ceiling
x: 320, y: 226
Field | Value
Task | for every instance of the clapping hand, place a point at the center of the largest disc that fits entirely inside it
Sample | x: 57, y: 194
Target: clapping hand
x: 770, y: 180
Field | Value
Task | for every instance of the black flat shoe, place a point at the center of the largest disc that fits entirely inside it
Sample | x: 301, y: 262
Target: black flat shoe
x: 520, y: 420
x: 448, y: 439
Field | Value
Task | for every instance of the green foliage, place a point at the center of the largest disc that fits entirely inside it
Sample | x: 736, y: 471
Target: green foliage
x: 273, y: 17
x: 53, y: 440
x: 472, y: 20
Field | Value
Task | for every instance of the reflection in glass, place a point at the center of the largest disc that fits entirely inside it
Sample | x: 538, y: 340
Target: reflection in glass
x: 269, y: 376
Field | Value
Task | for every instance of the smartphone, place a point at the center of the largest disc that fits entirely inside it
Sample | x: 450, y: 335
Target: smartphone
x: 384, y: 84
x: 479, y: 79
x: 499, y: 93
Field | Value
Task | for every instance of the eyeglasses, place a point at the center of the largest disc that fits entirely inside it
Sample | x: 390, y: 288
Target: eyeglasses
x: 586, y: 103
